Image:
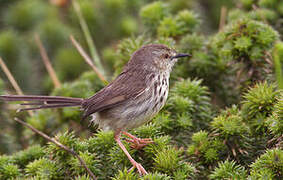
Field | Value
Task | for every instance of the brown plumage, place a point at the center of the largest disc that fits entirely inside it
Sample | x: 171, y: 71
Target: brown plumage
x: 131, y: 100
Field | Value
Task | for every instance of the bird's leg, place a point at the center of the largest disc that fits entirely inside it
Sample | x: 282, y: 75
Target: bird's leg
x: 139, y: 167
x: 137, y: 143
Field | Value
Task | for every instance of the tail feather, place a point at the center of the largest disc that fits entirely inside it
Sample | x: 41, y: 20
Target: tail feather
x: 39, y: 98
x: 43, y: 102
x: 47, y: 107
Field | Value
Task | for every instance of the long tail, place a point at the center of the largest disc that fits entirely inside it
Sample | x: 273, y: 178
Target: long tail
x: 43, y: 102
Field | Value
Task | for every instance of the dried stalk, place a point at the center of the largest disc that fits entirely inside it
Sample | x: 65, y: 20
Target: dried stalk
x: 89, y: 40
x: 59, y: 145
x: 12, y: 80
x: 47, y: 62
x: 223, y: 15
x: 10, y: 77
x: 87, y: 59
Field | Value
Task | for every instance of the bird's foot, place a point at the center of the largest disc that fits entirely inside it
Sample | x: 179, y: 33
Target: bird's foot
x: 138, y: 143
x: 139, y: 167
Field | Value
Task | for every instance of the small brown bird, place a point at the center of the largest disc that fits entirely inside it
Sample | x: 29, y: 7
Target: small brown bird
x: 131, y: 100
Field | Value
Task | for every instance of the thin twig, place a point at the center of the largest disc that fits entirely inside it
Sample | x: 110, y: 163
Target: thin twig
x: 87, y: 59
x: 47, y: 62
x: 12, y: 80
x: 89, y: 40
x: 10, y: 77
x: 222, y: 18
x: 59, y: 145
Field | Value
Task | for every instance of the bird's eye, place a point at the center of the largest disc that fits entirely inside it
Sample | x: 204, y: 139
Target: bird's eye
x: 166, y: 56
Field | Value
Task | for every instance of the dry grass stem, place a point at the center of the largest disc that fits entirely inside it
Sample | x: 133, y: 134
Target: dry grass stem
x: 87, y: 59
x: 10, y: 77
x: 59, y: 145
x: 47, y: 62
x: 12, y: 80
x: 223, y: 15
x: 89, y: 40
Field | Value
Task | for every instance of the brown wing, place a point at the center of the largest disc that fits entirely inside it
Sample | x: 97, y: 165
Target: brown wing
x: 127, y: 85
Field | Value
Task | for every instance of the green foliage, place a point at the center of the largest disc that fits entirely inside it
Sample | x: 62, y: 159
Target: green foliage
x: 191, y: 43
x: 22, y: 158
x: 128, y: 26
x: 156, y: 176
x: 69, y: 62
x: 102, y: 142
x: 67, y: 139
x: 168, y: 27
x: 269, y: 11
x: 25, y: 14
x: 278, y: 56
x: 53, y: 34
x: 224, y: 105
x: 274, y: 122
x: 125, y: 175
x: 1, y: 86
x: 43, y: 169
x: 187, y: 21
x: 236, y: 40
x: 205, y: 148
x: 229, y: 123
x: 168, y: 161
x: 258, y: 104
x: 83, y: 177
x: 10, y: 46
x: 190, y: 97
x: 89, y: 159
x: 229, y: 170
x: 229, y: 127
x: 9, y: 171
x: 41, y: 120
x: 153, y: 13
x: 270, y: 164
x: 184, y: 22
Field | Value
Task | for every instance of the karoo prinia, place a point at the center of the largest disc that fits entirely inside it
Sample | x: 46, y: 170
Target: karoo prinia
x: 131, y: 100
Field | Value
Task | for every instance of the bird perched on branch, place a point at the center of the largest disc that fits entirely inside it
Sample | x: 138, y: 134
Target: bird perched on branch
x: 131, y: 100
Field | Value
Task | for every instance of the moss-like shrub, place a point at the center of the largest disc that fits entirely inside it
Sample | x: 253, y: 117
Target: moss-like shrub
x: 223, y: 117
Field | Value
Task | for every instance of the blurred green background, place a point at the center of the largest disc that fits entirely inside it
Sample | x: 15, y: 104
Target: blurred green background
x: 225, y: 103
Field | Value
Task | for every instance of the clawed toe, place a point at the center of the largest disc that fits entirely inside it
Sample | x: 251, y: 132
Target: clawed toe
x: 133, y: 140
x: 139, y: 143
x: 139, y: 167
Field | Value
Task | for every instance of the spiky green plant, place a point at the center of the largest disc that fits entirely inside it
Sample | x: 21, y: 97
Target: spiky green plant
x: 274, y: 122
x: 268, y: 165
x: 228, y: 170
x: 258, y: 104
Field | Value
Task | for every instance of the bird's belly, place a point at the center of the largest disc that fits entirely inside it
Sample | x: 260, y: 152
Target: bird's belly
x: 132, y: 114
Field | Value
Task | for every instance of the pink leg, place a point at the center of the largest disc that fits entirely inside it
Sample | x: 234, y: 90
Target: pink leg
x: 137, y: 143
x: 139, y: 167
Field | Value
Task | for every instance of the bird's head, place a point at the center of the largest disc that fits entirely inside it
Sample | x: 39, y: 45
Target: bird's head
x: 155, y: 57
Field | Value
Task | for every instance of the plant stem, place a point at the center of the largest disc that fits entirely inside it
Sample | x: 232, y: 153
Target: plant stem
x: 88, y: 59
x: 89, y: 40
x: 277, y: 55
x: 58, y: 144
x: 12, y: 80
x: 47, y: 62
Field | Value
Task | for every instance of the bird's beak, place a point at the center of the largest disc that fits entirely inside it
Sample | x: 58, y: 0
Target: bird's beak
x: 181, y: 55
